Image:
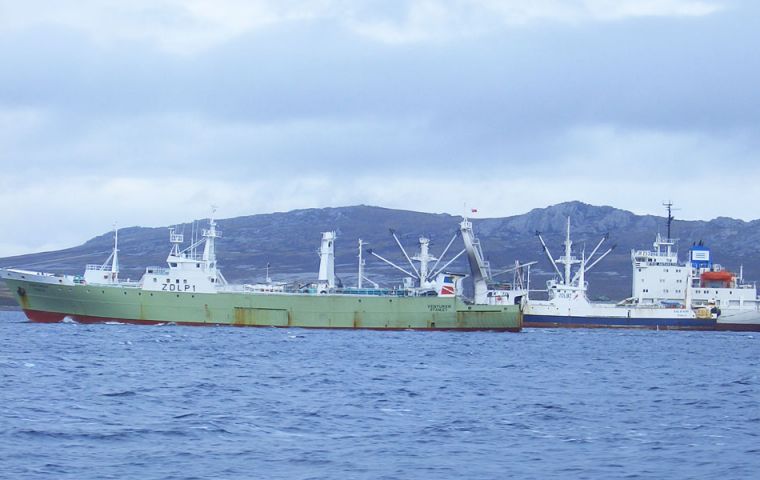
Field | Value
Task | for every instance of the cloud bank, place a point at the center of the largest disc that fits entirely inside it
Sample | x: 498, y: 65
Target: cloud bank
x: 148, y: 112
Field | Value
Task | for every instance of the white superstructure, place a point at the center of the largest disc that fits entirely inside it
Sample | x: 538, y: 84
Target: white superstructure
x: 657, y: 274
x: 105, y: 273
x: 567, y: 291
x: 187, y: 271
x: 663, y: 288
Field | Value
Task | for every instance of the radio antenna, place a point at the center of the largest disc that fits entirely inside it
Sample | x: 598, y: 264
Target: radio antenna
x: 669, y: 206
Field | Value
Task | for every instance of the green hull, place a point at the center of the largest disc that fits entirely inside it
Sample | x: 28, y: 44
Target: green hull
x: 46, y: 302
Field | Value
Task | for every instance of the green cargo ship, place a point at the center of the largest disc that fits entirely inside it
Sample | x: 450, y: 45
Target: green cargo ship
x: 191, y: 290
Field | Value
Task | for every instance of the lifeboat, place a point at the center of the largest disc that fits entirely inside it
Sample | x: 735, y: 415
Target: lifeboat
x: 711, y: 278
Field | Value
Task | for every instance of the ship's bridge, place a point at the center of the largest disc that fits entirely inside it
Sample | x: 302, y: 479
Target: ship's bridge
x: 644, y: 258
x: 662, y: 254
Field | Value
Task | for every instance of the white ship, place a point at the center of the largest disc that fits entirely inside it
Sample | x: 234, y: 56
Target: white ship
x: 666, y: 293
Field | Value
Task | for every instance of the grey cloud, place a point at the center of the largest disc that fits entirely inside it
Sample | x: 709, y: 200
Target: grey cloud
x: 311, y: 99
x: 664, y: 73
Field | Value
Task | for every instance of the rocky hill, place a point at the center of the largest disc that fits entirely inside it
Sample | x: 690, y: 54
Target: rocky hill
x: 289, y: 241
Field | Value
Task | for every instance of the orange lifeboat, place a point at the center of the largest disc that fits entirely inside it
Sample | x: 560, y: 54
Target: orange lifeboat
x: 724, y: 277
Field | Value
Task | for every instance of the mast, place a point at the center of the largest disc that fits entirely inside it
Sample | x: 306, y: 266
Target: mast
x: 209, y: 249
x: 176, y: 240
x: 568, y: 252
x: 115, y: 256
x: 424, y: 258
x: 326, y: 278
x: 361, y: 265
x: 669, y: 206
x: 582, y: 272
x: 568, y: 260
x: 668, y: 242
x: 478, y: 266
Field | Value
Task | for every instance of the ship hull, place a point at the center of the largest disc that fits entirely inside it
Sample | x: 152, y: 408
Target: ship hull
x: 559, y: 321
x: 47, y: 302
x: 582, y: 314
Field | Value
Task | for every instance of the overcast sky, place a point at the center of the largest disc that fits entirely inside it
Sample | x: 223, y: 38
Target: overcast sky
x: 146, y: 112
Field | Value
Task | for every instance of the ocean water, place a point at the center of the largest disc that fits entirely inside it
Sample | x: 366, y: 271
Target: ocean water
x: 167, y: 402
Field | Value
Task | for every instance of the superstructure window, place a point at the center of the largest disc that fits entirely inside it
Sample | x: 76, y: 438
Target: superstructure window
x: 173, y: 264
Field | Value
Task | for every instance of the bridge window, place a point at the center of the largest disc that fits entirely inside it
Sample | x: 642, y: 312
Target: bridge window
x: 173, y: 264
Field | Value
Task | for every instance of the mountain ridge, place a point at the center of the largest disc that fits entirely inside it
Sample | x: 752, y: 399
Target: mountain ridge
x: 289, y: 240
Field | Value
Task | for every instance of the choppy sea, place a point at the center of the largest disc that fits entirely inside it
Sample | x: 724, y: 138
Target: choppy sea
x: 168, y: 402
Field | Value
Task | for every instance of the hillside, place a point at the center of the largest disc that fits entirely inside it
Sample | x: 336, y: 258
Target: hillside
x: 289, y: 241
